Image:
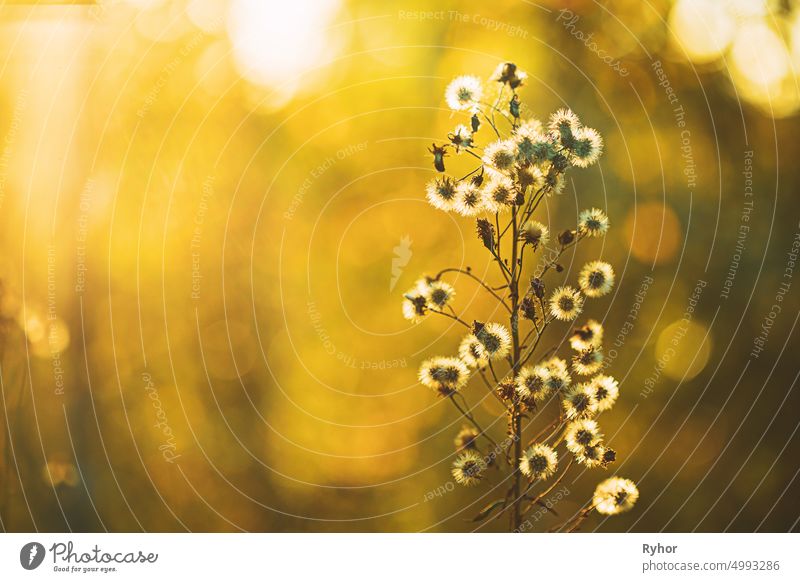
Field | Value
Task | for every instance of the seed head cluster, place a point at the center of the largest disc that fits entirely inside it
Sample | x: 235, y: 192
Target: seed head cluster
x: 517, y: 161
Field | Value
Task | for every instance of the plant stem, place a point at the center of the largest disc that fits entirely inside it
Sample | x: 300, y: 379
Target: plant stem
x: 478, y: 279
x: 547, y: 491
x: 472, y: 420
x: 454, y: 317
x: 515, y: 419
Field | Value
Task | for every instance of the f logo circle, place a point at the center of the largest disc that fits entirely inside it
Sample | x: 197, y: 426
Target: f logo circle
x: 31, y: 555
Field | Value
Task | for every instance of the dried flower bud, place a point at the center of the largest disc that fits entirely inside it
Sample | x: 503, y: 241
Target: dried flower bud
x: 477, y: 180
x: 528, y: 308
x: 513, y: 106
x: 486, y: 233
x: 509, y: 73
x: 439, y: 152
x: 537, y: 286
x: 560, y: 162
x: 609, y: 456
x: 559, y: 268
x: 461, y: 137
x: 506, y: 389
x: 565, y: 237
x: 475, y: 122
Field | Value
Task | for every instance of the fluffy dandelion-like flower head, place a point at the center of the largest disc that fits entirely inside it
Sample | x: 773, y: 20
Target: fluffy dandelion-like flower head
x: 445, y: 375
x: 463, y: 92
x: 558, y: 380
x: 532, y: 144
x: 579, y: 401
x: 615, y: 495
x: 439, y: 294
x: 596, y: 278
x: 530, y: 126
x: 587, y: 336
x: 556, y: 364
x: 581, y: 433
x: 606, y: 391
x: 593, y: 222
x: 534, y: 233
x: 538, y: 462
x: 529, y: 175
x: 468, y: 468
x: 472, y: 352
x: 566, y: 303
x: 555, y: 182
x: 468, y: 200
x: 564, y: 122
x: 586, y: 147
x: 415, y: 302
x: 596, y: 456
x: 496, y: 340
x: 500, y: 155
x: 498, y: 194
x: 465, y: 439
x: 532, y: 383
x: 441, y: 193
x: 588, y: 361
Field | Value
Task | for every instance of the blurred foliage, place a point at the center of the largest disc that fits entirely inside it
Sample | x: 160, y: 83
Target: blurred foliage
x: 201, y: 205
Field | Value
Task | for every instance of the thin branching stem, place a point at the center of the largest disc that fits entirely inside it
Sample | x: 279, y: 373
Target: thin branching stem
x: 494, y: 374
x: 515, y: 420
x: 547, y: 491
x: 547, y: 427
x: 490, y: 387
x: 478, y: 279
x: 466, y: 414
x: 451, y: 316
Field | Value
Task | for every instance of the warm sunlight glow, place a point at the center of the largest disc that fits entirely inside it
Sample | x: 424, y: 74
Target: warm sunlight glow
x: 760, y: 55
x: 702, y: 28
x: 274, y: 51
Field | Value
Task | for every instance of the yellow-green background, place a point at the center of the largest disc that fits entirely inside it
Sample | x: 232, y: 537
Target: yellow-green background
x: 298, y: 163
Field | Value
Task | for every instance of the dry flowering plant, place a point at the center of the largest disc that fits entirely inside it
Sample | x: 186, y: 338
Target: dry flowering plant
x: 518, y: 163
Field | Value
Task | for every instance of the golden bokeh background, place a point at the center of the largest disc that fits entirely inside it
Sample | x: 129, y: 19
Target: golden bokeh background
x: 210, y: 211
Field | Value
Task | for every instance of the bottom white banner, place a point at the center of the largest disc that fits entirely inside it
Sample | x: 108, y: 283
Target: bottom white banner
x: 618, y: 557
